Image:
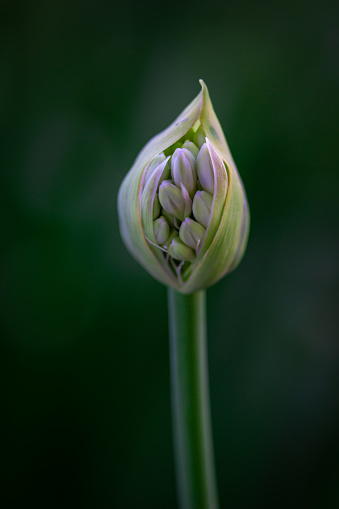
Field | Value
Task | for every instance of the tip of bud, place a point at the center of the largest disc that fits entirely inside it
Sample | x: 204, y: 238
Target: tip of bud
x: 183, y: 170
x: 153, y: 165
x: 191, y: 147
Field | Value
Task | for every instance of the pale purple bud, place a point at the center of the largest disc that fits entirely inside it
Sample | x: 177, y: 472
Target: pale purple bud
x: 191, y: 147
x: 191, y: 233
x: 175, y: 202
x: 205, y: 170
x: 154, y: 164
x: 183, y: 170
x: 202, y: 204
x: 161, y: 230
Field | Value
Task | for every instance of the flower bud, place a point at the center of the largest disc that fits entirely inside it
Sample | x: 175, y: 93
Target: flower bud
x: 191, y: 233
x: 205, y: 170
x: 175, y: 201
x: 179, y: 251
x: 153, y: 165
x: 161, y: 230
x: 191, y: 147
x: 183, y: 170
x: 202, y: 204
x: 213, y: 223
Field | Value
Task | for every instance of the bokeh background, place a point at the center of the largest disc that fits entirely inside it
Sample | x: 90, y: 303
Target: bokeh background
x: 84, y: 347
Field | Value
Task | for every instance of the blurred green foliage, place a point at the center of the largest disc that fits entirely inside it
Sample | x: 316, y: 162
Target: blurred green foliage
x: 84, y: 347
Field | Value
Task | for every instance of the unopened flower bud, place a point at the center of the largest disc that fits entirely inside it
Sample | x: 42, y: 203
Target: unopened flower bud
x: 153, y: 165
x: 161, y: 230
x: 156, y: 207
x: 174, y: 201
x: 191, y: 147
x: 179, y: 251
x: 202, y: 204
x: 183, y: 170
x: 191, y: 233
x: 205, y: 169
x: 213, y: 240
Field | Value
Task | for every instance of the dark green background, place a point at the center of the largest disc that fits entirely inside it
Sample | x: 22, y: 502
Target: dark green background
x: 84, y: 347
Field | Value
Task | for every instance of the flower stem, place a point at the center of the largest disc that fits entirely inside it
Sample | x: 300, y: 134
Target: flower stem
x: 190, y: 401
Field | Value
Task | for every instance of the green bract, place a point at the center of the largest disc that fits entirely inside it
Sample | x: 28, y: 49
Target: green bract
x: 187, y: 176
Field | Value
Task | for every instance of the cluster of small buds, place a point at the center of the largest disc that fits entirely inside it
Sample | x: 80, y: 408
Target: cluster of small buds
x: 183, y: 200
x: 183, y: 210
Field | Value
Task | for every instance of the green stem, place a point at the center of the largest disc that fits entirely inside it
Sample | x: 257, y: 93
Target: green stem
x: 190, y: 401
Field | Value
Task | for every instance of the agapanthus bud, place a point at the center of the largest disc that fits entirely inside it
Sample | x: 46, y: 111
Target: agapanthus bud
x: 191, y: 147
x: 153, y: 165
x: 179, y: 251
x: 202, y: 205
x: 174, y: 201
x: 161, y: 230
x: 212, y: 223
x: 183, y: 170
x: 191, y: 233
x: 205, y: 169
